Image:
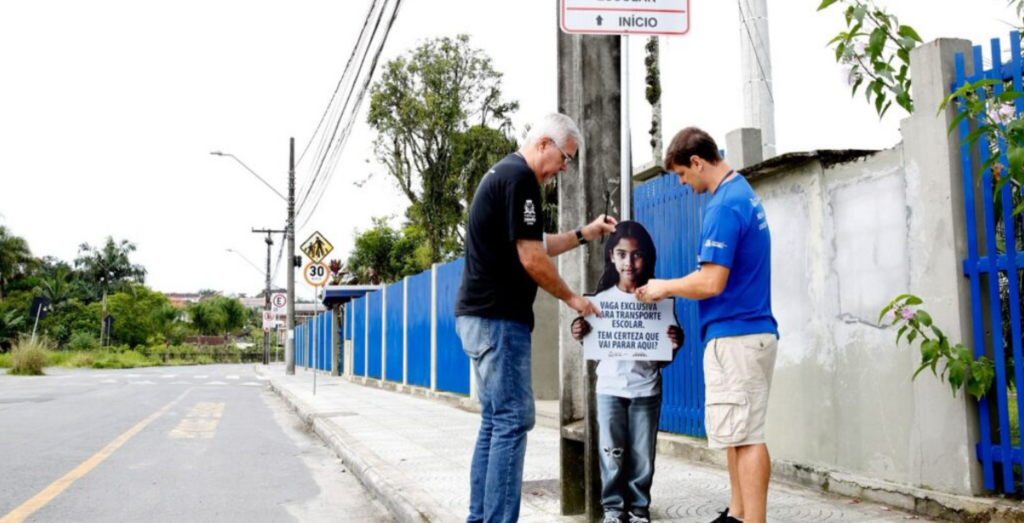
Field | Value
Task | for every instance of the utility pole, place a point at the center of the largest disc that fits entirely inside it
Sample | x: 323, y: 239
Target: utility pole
x: 289, y: 344
x: 758, y: 95
x: 266, y: 293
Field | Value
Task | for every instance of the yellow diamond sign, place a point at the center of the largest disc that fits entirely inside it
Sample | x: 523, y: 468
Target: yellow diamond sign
x: 317, y: 247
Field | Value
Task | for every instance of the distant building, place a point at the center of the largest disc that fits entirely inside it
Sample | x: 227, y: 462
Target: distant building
x: 182, y: 300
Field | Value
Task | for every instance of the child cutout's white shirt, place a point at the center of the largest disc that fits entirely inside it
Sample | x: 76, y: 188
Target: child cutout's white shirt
x: 626, y: 378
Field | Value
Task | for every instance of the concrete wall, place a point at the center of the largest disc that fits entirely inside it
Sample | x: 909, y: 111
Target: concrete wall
x: 847, y: 239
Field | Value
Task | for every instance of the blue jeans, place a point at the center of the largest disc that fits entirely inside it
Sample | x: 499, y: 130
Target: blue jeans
x: 500, y: 352
x: 628, y: 439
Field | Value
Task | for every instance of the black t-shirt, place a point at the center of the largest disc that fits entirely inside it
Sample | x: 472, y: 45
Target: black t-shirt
x: 506, y: 208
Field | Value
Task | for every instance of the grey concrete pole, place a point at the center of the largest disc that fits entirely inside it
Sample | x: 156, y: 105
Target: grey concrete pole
x: 758, y: 95
x: 289, y: 344
x: 588, y: 77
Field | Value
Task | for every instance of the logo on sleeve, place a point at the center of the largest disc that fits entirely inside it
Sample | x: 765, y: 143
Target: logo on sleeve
x: 530, y: 213
x: 715, y: 245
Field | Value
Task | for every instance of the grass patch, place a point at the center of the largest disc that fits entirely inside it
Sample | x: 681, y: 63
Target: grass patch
x: 28, y: 357
x: 5, y: 361
x: 123, y: 360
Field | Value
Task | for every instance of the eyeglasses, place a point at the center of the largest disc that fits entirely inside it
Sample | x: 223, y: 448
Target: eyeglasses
x: 566, y: 159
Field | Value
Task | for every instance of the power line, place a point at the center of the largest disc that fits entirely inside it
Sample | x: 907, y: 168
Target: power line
x: 337, y: 88
x: 319, y: 168
x: 339, y: 145
x: 348, y: 128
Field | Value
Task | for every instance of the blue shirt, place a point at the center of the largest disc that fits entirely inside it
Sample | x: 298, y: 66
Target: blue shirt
x: 735, y: 235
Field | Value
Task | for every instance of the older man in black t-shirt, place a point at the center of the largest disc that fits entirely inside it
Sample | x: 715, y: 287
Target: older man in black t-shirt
x: 507, y: 257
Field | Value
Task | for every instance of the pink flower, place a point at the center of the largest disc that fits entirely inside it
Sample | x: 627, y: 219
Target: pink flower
x: 906, y: 314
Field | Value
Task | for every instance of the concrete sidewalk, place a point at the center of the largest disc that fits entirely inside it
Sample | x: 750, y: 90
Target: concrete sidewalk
x: 413, y: 454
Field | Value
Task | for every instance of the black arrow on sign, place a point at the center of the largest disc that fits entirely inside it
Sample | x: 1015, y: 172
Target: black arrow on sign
x: 599, y: 20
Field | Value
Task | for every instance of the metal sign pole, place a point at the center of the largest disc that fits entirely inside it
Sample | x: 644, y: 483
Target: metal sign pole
x: 315, y: 349
x: 625, y: 190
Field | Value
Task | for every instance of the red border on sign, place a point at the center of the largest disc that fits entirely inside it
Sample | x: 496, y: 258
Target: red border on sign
x: 585, y: 31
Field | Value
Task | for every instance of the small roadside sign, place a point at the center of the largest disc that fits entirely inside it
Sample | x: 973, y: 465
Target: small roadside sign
x: 278, y: 303
x: 316, y: 274
x: 652, y: 17
x: 268, y: 320
x: 317, y: 247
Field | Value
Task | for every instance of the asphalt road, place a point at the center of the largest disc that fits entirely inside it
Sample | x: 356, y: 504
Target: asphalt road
x: 178, y: 444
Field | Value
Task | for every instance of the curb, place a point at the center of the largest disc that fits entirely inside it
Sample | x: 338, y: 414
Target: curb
x: 403, y: 499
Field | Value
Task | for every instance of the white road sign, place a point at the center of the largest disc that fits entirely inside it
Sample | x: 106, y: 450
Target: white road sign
x: 279, y: 303
x: 316, y: 274
x: 268, y: 320
x: 625, y: 17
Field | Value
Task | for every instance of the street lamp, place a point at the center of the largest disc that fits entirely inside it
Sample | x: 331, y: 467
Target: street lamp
x: 289, y: 347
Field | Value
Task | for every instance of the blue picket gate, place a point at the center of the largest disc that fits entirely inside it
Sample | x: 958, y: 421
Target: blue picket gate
x: 419, y: 329
x: 359, y: 337
x: 395, y: 331
x: 991, y: 269
x: 452, y: 361
x: 673, y: 215
x: 375, y: 334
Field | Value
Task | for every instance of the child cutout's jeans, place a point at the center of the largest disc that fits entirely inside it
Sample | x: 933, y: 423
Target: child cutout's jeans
x: 628, y: 440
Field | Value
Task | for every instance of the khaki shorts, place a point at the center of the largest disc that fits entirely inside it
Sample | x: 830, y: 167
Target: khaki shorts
x: 737, y: 379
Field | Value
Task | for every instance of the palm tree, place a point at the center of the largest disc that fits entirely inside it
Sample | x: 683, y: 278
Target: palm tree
x: 57, y: 287
x: 15, y: 257
x: 110, y: 269
x: 165, y: 317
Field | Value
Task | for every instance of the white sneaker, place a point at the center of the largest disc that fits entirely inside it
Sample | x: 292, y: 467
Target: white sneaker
x: 638, y: 519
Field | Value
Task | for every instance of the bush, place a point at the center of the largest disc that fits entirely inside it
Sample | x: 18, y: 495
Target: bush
x: 82, y: 340
x: 29, y: 357
x: 5, y: 361
x: 128, y: 359
x: 79, y: 359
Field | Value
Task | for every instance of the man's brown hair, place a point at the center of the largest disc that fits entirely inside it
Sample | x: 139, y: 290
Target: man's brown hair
x: 688, y: 143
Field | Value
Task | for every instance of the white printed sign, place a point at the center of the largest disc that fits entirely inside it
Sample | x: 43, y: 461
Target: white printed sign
x: 629, y: 329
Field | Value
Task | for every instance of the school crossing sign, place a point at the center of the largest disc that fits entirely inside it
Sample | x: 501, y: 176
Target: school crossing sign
x: 626, y: 17
x: 317, y: 247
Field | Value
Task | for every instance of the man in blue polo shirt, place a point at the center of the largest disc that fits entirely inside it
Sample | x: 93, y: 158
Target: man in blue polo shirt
x: 739, y: 333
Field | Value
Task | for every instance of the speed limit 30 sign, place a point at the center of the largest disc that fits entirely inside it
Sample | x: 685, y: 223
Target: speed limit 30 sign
x: 316, y: 274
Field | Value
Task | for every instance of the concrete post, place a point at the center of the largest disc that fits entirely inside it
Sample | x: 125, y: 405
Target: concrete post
x: 743, y: 148
x: 433, y: 327
x: 405, y: 331
x: 589, y: 92
x: 945, y: 428
x: 337, y: 313
x: 758, y: 98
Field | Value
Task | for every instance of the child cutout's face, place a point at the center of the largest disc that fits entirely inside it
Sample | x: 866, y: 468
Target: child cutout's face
x: 629, y: 263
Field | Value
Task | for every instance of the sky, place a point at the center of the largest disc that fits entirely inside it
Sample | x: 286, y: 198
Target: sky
x: 109, y: 110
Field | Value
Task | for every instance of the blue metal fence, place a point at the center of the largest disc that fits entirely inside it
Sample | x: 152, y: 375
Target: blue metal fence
x: 395, y: 331
x: 359, y: 337
x: 418, y: 325
x: 672, y: 214
x: 375, y: 334
x: 990, y: 264
x: 452, y: 362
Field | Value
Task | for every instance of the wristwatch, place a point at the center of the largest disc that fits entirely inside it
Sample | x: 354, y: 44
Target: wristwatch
x: 579, y: 236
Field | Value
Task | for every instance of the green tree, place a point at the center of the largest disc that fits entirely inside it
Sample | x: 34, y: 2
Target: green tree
x: 441, y: 121
x: 11, y: 323
x: 167, y: 319
x: 15, y: 258
x: 136, y: 315
x: 384, y: 255
x: 206, y: 319
x: 109, y: 269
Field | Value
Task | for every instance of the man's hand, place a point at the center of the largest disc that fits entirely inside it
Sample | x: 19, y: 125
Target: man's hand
x: 582, y: 306
x: 654, y: 291
x: 601, y: 226
x: 580, y: 328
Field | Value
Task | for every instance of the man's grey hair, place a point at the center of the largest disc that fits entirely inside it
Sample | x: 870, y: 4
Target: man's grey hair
x: 558, y: 127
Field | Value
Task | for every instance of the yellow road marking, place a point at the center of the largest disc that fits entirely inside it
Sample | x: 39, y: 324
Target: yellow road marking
x: 46, y: 495
x: 201, y: 422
